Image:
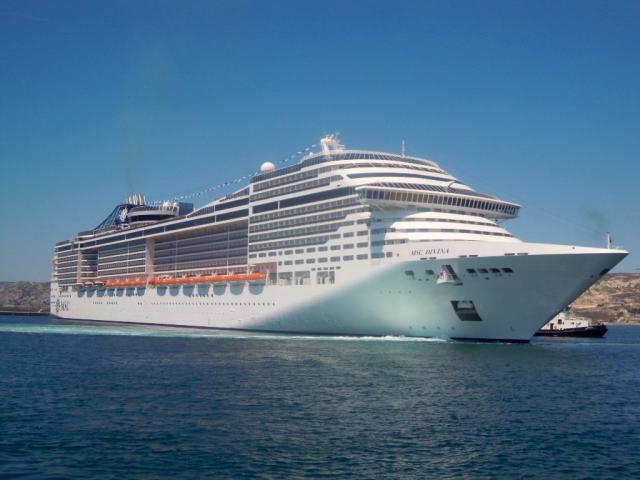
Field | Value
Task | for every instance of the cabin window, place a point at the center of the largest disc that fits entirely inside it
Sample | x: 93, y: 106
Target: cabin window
x: 507, y: 270
x: 325, y: 277
x: 303, y: 278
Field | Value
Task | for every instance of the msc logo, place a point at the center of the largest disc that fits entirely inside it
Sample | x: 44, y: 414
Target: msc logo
x: 62, y: 306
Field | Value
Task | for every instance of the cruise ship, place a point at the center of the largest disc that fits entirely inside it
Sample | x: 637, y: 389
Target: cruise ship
x: 344, y: 242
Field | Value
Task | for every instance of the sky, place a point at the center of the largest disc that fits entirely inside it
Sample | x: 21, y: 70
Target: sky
x: 537, y: 102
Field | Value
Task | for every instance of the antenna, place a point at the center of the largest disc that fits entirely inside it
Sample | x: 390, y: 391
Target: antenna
x: 402, y: 151
x: 609, y: 240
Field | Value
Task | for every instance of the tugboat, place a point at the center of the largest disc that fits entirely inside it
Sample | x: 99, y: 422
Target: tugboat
x: 565, y: 324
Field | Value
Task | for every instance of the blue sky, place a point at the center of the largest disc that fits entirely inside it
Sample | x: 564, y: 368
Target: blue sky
x: 536, y: 102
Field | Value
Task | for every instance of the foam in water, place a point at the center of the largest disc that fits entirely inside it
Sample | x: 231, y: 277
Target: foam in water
x: 155, y: 331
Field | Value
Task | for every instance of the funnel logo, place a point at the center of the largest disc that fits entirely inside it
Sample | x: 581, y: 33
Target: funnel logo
x: 123, y: 214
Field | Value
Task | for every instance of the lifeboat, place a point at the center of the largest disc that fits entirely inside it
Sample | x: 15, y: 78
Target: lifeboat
x: 236, y: 278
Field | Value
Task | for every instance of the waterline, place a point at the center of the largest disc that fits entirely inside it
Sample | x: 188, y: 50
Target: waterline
x: 177, y: 332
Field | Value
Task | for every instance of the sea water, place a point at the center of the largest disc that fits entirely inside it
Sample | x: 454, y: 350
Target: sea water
x: 82, y: 400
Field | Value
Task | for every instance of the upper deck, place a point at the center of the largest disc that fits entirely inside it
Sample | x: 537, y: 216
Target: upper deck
x: 380, y: 178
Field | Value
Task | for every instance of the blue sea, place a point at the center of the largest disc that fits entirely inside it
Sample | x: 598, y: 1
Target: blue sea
x: 81, y: 400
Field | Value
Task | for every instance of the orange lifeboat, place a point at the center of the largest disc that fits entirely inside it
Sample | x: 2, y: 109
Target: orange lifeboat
x: 233, y: 278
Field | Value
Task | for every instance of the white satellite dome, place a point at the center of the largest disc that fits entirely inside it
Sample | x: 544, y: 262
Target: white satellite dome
x: 267, y: 167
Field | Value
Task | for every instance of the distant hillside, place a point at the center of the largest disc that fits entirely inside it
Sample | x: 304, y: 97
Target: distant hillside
x: 613, y: 299
x: 32, y: 296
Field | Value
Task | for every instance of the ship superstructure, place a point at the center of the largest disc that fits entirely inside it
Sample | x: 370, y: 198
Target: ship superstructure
x: 351, y: 242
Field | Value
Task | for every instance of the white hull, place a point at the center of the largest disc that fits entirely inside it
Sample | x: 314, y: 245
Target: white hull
x: 374, y: 297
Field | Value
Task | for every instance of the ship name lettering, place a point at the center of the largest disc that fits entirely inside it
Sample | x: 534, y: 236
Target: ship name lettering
x: 431, y: 251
